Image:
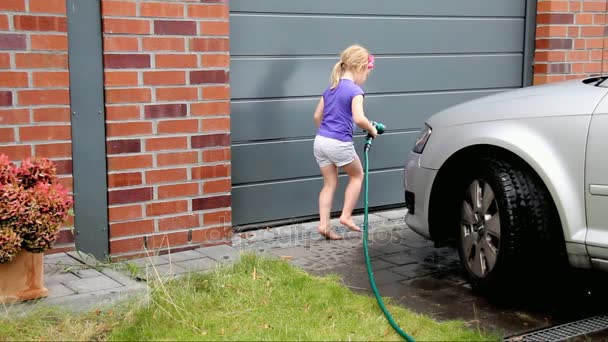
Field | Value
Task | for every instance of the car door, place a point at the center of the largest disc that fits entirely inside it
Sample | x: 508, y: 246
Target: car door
x: 596, y: 183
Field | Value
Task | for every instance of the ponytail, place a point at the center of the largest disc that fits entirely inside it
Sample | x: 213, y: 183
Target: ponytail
x: 336, y: 73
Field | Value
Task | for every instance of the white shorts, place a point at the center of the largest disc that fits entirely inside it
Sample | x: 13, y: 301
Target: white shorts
x: 332, y: 151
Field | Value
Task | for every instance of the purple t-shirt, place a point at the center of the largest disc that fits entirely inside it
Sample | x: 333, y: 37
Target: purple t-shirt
x: 338, y: 120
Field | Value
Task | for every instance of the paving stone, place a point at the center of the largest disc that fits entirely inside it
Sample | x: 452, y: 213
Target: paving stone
x: 160, y: 272
x: 385, y: 276
x: 59, y: 277
x: 380, y: 249
x: 59, y: 263
x: 152, y: 260
x: 399, y: 259
x: 197, y: 265
x: 58, y: 290
x: 324, y: 247
x: 86, y: 273
x: 221, y: 253
x: 92, y: 284
x: 182, y: 256
x: 397, y: 214
x: 307, y: 264
x: 411, y: 271
x: 295, y: 252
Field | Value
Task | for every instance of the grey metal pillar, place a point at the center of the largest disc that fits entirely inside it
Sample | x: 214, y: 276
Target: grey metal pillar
x: 88, y: 126
x: 529, y: 43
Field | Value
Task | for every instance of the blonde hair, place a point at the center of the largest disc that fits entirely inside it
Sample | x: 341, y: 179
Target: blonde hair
x: 353, y: 58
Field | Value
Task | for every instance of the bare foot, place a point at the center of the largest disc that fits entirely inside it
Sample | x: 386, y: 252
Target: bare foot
x: 329, y: 234
x: 350, y: 224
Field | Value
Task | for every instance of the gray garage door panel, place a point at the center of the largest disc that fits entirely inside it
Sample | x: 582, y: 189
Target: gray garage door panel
x: 294, y: 159
x: 497, y: 8
x: 260, y: 203
x: 292, y: 118
x: 283, y: 77
x: 311, y: 34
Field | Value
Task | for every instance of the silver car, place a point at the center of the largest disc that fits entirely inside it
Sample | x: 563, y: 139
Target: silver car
x: 517, y: 181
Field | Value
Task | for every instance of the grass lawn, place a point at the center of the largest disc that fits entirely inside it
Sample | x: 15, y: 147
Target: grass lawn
x: 255, y: 299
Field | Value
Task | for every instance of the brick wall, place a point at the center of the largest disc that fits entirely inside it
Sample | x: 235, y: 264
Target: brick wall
x: 167, y: 110
x: 34, y: 87
x: 570, y: 40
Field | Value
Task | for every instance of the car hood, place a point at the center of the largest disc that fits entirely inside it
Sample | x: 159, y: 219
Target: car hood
x: 556, y: 99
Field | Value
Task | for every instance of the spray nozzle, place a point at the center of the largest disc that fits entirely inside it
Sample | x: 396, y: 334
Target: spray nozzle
x: 380, y: 127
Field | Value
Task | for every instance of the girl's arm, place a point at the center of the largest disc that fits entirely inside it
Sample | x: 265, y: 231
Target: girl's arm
x: 359, y: 116
x: 319, y: 112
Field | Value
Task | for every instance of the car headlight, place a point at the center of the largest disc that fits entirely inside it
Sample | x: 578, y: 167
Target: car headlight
x: 422, y: 139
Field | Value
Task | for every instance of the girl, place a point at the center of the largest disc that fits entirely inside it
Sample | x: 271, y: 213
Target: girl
x: 339, y: 109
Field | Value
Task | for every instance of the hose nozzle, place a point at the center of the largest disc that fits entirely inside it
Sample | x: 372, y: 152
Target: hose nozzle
x: 380, y: 127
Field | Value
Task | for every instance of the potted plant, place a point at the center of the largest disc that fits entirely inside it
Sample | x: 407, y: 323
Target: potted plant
x: 33, y: 206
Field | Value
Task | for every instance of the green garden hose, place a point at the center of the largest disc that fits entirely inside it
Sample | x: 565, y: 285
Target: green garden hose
x: 372, y: 281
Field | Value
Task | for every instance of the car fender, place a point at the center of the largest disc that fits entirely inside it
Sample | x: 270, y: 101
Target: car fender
x: 554, y: 147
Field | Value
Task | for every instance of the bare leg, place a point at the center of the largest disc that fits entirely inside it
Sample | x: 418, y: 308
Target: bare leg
x: 326, y: 198
x: 351, y: 195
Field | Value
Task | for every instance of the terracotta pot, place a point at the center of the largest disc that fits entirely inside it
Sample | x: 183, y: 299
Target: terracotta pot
x: 22, y: 278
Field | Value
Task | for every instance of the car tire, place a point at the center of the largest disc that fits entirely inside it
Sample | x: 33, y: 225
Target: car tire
x: 508, y: 227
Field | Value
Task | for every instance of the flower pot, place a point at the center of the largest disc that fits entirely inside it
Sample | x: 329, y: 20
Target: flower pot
x: 22, y: 278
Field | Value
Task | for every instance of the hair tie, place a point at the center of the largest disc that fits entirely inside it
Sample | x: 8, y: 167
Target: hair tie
x: 370, y: 61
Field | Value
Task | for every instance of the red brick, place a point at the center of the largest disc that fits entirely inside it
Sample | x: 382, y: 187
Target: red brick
x: 116, y: 163
x: 65, y: 237
x: 216, y: 61
x: 166, y: 208
x: 214, y: 28
x: 163, y: 44
x: 14, y: 116
x: 3, y: 22
x: 12, y: 5
x: 124, y: 129
x: 118, y: 8
x: 126, y: 245
x: 64, y: 167
x: 129, y: 196
x: 165, y: 111
x: 212, y: 156
x: 551, y: 31
x: 48, y: 6
x: 209, y: 44
x: 7, y: 135
x: 177, y: 158
x: 593, y: 67
x: 559, y: 68
x: 11, y: 41
x: 178, y: 126
x: 592, y: 31
x: 174, y: 239
x: 216, y: 186
x: 212, y: 171
x: 124, y: 179
x: 176, y: 61
x: 166, y: 176
x: 216, y: 125
x: 209, y: 76
x: 49, y: 42
x: 128, y: 95
x: 129, y: 26
x: 178, y: 222
x: 555, y: 18
x: 208, y: 11
x: 40, y: 23
x: 16, y: 152
x: 172, y: 27
x: 126, y: 61
x: 577, y: 56
x: 178, y: 190
x: 573, y: 31
x: 216, y: 93
x: 5, y: 61
x: 553, y: 44
x: 599, y: 19
x: 55, y: 150
x: 131, y: 228
x: 43, y: 97
x: 41, y: 60
x: 123, y: 146
x: 52, y: 114
x: 122, y: 213
x: 210, y: 108
x: 583, y: 18
x: 210, y: 140
x: 6, y: 98
x: 44, y: 133
x: 594, y: 6
x: 222, y: 217
x: 117, y: 78
x: 594, y: 43
x: 211, y: 202
x: 164, y: 77
x: 212, y: 235
x: 158, y: 9
x: 160, y: 144
x: 177, y: 94
x: 51, y: 79
x: 552, y: 6
x: 119, y: 113
x: 113, y: 44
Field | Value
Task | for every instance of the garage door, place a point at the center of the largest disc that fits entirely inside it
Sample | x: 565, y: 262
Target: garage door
x: 430, y: 54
